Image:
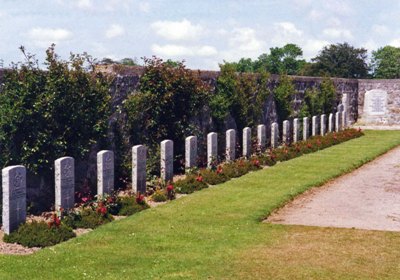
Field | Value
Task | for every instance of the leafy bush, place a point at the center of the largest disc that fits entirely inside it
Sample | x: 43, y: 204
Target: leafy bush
x: 190, y: 184
x: 129, y: 206
x: 283, y: 97
x: 239, y: 168
x: 39, y: 234
x: 159, y: 195
x: 87, y: 218
x: 213, y: 177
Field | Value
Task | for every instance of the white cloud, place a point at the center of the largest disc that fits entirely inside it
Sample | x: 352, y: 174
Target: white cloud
x: 177, y: 30
x: 380, y: 29
x: 316, y: 14
x: 288, y: 29
x: 115, y: 30
x: 395, y: 43
x: 144, y: 7
x: 171, y: 50
x: 84, y: 4
x: 312, y: 46
x: 338, y: 33
x: 44, y: 37
x: 340, y: 7
x: 245, y: 39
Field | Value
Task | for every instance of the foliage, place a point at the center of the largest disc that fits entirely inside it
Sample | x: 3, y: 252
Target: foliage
x: 386, y: 63
x: 125, y: 61
x: 340, y: 60
x: 39, y: 234
x: 283, y: 97
x: 159, y: 196
x: 190, y: 184
x: 169, y: 98
x: 214, y: 177
x: 130, y: 205
x: 87, y: 217
x: 48, y: 114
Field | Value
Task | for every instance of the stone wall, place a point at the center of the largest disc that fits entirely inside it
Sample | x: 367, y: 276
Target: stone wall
x: 379, y: 102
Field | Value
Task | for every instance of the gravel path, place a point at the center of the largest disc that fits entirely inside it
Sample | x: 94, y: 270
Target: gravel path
x: 368, y: 198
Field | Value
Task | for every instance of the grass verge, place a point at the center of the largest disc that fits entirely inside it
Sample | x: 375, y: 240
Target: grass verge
x: 216, y: 233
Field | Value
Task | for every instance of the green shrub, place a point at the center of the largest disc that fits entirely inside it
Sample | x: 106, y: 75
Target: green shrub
x: 212, y: 177
x: 39, y: 234
x: 159, y: 196
x: 129, y: 206
x: 238, y: 168
x: 190, y: 184
x: 87, y: 218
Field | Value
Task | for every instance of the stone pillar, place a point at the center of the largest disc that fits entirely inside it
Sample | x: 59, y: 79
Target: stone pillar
x: 344, y: 119
x: 330, y: 123
x: 274, y: 135
x: 261, y: 137
x: 314, y: 129
x: 230, y: 150
x: 296, y: 130
x: 286, y: 132
x: 105, y: 172
x: 337, y: 122
x: 65, y: 183
x: 212, y: 148
x: 247, y: 142
x: 14, y: 197
x: 190, y: 152
x: 323, y: 125
x: 167, y: 160
x: 139, y: 158
x: 306, y: 128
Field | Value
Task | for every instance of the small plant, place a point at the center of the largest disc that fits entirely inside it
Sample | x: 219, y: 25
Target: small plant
x: 159, y: 196
x: 190, y: 184
x: 214, y: 177
x: 130, y: 205
x: 170, y: 192
x: 40, y: 234
x: 88, y: 217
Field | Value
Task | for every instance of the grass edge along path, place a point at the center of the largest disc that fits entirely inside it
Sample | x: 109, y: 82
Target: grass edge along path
x: 202, y: 235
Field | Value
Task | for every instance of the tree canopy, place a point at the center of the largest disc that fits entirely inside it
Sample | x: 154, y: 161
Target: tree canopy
x: 386, y: 63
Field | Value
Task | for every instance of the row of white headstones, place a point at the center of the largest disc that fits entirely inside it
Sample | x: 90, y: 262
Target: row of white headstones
x: 14, y: 177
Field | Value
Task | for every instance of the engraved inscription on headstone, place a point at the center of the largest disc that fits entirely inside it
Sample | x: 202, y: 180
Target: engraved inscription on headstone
x: 14, y: 197
x: 65, y: 182
x: 105, y: 172
x: 212, y: 148
x: 139, y: 168
x: 167, y: 160
x: 375, y: 102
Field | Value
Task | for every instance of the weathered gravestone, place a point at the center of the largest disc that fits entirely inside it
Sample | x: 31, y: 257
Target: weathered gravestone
x: 375, y: 107
x: 65, y: 183
x: 296, y: 130
x: 139, y: 168
x: 330, y: 123
x: 167, y: 160
x: 343, y: 115
x: 14, y: 197
x: 286, y: 132
x: 261, y: 137
x: 230, y: 145
x: 190, y: 152
x: 338, y: 123
x: 246, y: 142
x: 212, y: 148
x: 306, y: 128
x: 105, y: 172
x: 314, y: 129
x: 274, y: 135
x: 323, y: 124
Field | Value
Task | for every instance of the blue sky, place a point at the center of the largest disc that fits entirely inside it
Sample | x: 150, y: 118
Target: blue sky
x: 203, y: 32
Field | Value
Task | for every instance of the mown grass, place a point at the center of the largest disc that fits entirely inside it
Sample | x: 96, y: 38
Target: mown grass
x: 216, y: 233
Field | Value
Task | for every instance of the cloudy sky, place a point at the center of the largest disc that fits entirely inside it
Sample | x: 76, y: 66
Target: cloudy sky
x: 203, y: 32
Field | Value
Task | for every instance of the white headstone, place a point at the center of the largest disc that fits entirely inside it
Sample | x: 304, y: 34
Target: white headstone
x: 246, y: 142
x: 212, y: 148
x: 139, y: 157
x: 306, y: 129
x: 296, y: 130
x: 330, y: 123
x: 190, y: 152
x: 314, y: 125
x: 286, y: 132
x: 167, y: 160
x: 337, y: 122
x: 274, y: 135
x: 261, y: 137
x: 230, y: 145
x: 323, y: 124
x: 105, y: 172
x: 14, y: 197
x: 65, y: 183
x: 344, y: 119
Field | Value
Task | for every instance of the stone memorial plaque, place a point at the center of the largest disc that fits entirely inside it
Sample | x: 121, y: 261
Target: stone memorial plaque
x: 14, y: 197
x: 375, y: 102
x: 105, y: 172
x: 212, y: 148
x: 139, y: 168
x: 65, y: 183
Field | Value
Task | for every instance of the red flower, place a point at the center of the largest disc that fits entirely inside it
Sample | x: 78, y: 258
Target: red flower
x: 219, y: 169
x: 359, y: 129
x: 170, y: 188
x: 309, y: 145
x: 256, y: 162
x: 103, y: 210
x: 199, y: 178
x: 139, y: 198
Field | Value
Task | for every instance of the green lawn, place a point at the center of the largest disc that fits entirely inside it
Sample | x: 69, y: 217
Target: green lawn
x: 216, y: 233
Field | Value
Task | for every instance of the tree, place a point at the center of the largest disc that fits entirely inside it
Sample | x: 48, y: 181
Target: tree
x: 285, y: 60
x: 386, y: 63
x: 341, y: 60
x: 283, y: 98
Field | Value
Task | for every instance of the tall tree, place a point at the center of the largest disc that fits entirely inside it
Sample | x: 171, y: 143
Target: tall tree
x: 386, y: 63
x: 341, y: 60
